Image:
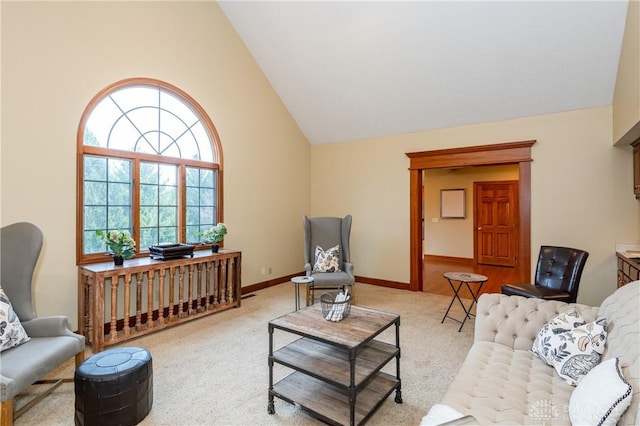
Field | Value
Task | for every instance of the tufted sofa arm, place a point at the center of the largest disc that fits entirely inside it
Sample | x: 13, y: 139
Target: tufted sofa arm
x: 514, y: 321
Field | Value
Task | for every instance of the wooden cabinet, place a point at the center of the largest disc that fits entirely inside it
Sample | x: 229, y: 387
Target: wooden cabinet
x: 628, y: 269
x: 118, y: 303
x: 636, y: 168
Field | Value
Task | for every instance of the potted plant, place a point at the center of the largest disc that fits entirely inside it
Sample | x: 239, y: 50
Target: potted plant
x: 214, y: 235
x: 121, y: 244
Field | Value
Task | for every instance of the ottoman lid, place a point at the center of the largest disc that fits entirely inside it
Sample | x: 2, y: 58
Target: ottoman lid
x: 113, y: 362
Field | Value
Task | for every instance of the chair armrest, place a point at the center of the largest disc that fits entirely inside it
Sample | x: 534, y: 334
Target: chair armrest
x: 348, y: 268
x: 48, y: 327
x: 307, y: 269
x: 515, y: 321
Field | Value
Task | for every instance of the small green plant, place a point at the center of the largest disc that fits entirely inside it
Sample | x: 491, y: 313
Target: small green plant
x: 119, y: 242
x: 215, y: 234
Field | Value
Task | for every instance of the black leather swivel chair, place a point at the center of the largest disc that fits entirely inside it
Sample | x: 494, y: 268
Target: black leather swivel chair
x: 557, y: 275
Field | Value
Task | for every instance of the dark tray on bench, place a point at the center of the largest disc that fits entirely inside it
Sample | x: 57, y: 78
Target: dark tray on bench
x: 171, y: 251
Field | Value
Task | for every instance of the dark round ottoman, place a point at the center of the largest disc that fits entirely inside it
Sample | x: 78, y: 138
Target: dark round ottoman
x: 114, y: 387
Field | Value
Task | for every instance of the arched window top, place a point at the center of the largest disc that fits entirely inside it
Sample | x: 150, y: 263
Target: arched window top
x: 151, y: 164
x: 150, y: 117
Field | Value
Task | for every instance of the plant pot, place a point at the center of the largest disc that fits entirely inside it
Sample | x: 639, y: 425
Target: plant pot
x: 118, y: 260
x: 214, y: 248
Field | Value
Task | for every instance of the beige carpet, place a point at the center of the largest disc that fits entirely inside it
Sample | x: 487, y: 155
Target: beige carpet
x: 213, y: 371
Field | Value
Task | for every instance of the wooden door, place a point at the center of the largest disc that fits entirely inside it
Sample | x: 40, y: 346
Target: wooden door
x: 495, y: 222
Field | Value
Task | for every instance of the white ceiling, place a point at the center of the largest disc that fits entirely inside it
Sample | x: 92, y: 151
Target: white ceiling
x: 349, y: 70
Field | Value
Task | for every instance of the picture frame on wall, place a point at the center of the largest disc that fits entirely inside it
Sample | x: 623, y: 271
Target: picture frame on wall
x: 453, y: 204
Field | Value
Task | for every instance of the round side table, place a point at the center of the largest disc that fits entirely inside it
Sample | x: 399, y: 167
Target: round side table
x: 296, y: 282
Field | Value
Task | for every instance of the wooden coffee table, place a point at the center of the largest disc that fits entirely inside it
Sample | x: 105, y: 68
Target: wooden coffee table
x: 336, y: 365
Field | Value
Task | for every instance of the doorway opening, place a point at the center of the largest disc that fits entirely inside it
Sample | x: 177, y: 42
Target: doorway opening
x: 518, y: 153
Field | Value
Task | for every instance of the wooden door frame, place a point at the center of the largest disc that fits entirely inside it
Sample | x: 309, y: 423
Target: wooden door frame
x: 483, y: 155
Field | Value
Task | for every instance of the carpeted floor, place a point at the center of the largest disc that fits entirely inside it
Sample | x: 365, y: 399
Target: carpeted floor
x: 213, y: 371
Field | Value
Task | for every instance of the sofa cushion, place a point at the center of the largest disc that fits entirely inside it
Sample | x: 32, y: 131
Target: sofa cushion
x: 24, y: 364
x: 601, y: 396
x: 497, y: 384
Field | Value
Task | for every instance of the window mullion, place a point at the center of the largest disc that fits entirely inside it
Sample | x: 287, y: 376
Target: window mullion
x: 182, y: 203
x: 136, y: 203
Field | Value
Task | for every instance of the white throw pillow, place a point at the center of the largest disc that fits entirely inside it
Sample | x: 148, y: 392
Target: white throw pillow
x: 570, y: 346
x: 11, y: 331
x: 601, y: 397
x: 327, y: 261
x: 439, y: 414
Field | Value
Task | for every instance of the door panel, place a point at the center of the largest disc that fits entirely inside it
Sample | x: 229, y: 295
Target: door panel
x: 495, y: 222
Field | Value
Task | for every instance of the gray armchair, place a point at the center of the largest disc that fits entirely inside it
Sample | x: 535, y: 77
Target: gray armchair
x: 328, y: 232
x: 51, y: 344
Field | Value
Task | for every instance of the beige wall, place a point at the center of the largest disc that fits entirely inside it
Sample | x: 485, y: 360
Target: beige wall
x: 626, y: 99
x: 580, y: 192
x: 57, y: 55
x: 454, y: 237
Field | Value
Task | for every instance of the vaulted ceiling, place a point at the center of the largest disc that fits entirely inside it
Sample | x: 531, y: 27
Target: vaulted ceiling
x: 349, y: 70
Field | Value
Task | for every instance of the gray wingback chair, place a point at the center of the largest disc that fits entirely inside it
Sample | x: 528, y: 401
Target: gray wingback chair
x: 51, y: 344
x: 328, y: 232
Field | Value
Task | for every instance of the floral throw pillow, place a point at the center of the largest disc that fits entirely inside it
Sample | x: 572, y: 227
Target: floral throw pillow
x: 572, y: 347
x: 11, y: 331
x: 560, y: 324
x: 327, y: 261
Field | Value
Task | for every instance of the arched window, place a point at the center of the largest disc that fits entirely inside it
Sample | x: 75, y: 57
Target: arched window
x: 149, y: 162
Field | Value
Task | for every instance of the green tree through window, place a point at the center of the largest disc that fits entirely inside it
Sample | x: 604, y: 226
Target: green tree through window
x: 150, y: 164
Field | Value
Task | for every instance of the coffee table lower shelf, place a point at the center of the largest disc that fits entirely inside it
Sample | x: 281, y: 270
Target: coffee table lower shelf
x: 330, y: 403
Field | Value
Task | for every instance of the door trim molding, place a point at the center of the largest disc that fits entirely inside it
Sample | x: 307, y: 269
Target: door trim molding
x: 482, y: 155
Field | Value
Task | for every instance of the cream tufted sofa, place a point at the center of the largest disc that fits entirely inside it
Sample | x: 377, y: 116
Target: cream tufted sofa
x: 502, y: 382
